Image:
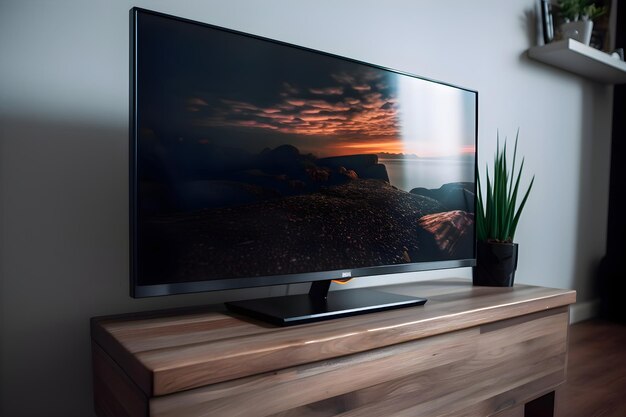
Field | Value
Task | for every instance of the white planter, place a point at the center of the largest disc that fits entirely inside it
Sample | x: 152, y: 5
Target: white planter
x: 579, y: 30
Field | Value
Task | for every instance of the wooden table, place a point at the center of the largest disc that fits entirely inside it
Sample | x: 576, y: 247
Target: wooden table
x: 470, y: 351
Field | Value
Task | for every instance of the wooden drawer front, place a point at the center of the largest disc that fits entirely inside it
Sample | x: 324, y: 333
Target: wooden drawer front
x: 477, y: 371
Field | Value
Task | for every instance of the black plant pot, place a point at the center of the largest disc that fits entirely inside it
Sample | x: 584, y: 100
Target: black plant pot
x: 495, y: 264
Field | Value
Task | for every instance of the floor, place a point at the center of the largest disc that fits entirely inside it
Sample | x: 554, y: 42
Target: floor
x: 596, y: 378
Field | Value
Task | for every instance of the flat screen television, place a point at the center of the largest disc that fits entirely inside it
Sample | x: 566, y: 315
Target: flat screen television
x: 254, y: 162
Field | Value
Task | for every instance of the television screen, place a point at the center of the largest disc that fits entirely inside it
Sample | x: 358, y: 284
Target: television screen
x: 255, y: 162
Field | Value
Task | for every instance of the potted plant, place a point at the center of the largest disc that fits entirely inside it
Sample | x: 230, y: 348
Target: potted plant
x: 578, y: 16
x: 496, y: 221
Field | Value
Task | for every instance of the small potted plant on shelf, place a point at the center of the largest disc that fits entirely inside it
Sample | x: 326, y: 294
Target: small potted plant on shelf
x: 496, y: 221
x: 578, y: 16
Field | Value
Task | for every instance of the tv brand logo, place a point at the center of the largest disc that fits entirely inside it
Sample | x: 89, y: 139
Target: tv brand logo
x: 346, y: 274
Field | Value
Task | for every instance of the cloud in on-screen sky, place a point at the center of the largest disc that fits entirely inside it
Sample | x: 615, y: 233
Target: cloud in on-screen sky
x: 212, y: 86
x: 359, y: 107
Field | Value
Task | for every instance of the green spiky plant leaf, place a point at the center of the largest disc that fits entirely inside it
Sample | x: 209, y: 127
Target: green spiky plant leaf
x: 498, y: 214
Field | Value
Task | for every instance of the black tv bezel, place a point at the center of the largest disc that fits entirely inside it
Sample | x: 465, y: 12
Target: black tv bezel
x: 141, y: 291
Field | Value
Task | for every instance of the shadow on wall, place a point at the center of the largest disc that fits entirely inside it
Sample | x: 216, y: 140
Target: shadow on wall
x: 528, y: 23
x: 593, y: 173
x: 65, y: 259
x: 593, y: 202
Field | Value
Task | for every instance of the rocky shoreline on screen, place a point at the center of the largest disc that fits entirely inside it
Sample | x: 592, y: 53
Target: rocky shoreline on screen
x: 226, y: 206
x: 220, y: 176
x: 359, y: 223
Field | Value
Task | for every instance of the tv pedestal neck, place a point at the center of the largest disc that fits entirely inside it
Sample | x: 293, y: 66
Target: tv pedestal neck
x: 469, y: 351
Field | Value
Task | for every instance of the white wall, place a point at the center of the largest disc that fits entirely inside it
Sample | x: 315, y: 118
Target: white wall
x: 63, y: 155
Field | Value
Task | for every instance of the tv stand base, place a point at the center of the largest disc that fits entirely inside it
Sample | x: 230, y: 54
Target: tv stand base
x: 305, y: 308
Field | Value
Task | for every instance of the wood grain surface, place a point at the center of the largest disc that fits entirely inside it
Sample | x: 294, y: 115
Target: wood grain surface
x: 114, y: 393
x: 463, y: 373
x: 165, y: 353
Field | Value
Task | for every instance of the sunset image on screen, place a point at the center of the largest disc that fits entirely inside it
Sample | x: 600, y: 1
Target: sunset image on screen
x: 260, y: 145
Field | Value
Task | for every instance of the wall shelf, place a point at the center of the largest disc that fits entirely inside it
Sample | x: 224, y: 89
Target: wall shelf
x: 573, y: 56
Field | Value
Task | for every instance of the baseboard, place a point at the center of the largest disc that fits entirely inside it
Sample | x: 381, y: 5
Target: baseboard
x: 584, y: 310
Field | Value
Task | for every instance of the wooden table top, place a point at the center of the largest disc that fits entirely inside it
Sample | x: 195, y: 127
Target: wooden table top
x: 171, y: 351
